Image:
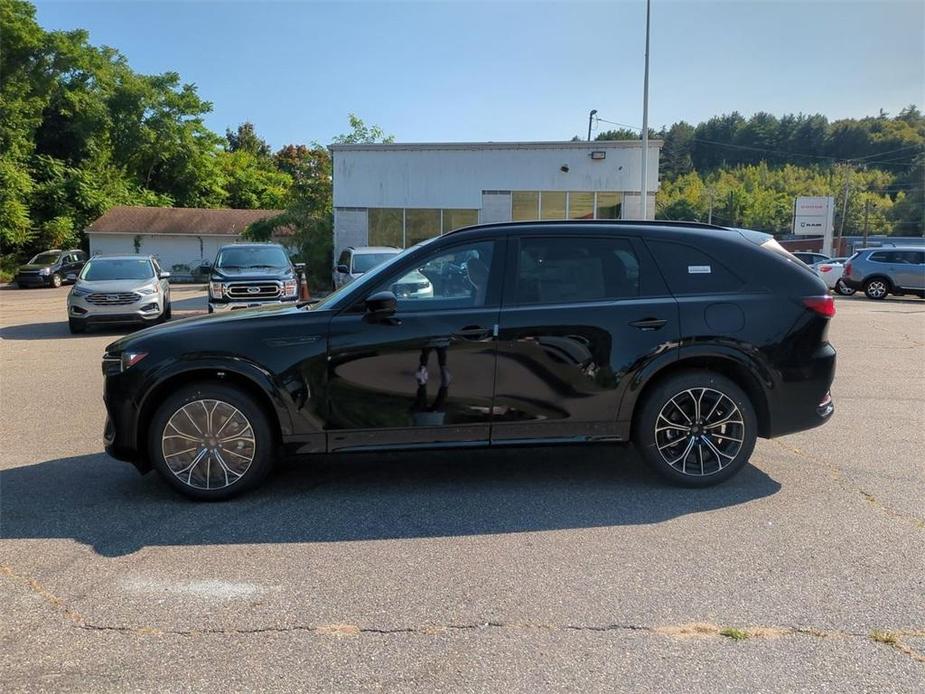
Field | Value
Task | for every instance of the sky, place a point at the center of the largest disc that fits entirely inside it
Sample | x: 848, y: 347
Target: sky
x: 501, y: 71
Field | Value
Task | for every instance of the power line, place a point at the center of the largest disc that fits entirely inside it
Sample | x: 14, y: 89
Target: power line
x: 889, y: 151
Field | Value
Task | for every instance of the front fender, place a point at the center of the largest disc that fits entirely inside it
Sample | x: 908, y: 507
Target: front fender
x: 219, y: 367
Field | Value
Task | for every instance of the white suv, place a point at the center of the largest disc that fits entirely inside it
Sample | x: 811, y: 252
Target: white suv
x: 354, y: 262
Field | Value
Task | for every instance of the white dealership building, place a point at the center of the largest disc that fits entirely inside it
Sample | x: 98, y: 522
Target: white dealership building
x: 400, y: 194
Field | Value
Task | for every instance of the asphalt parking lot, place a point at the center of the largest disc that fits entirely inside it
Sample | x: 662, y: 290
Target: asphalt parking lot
x: 537, y: 570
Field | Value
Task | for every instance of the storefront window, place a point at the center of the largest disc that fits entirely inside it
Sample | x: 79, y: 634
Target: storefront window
x: 456, y: 219
x: 552, y: 205
x: 608, y: 205
x: 581, y: 205
x: 421, y: 225
x: 385, y: 227
x: 525, y: 205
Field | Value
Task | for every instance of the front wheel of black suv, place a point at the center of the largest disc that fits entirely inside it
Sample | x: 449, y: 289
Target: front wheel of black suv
x: 210, y: 441
x: 696, y: 428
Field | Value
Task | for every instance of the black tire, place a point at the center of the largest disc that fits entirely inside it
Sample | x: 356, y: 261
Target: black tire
x: 717, y: 467
x: 262, y: 447
x: 77, y: 325
x: 877, y: 288
x: 167, y: 312
x: 56, y: 280
x: 843, y: 289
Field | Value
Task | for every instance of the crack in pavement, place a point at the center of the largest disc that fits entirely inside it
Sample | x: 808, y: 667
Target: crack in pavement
x: 894, y: 639
x: 846, y: 483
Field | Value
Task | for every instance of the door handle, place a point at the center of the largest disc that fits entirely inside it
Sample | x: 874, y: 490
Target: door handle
x: 649, y: 323
x: 473, y: 332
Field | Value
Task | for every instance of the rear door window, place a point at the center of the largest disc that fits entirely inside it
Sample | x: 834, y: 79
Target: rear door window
x: 688, y: 270
x: 556, y: 270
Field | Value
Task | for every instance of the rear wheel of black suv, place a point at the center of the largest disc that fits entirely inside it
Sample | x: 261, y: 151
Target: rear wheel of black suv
x: 696, y: 428
x: 210, y: 441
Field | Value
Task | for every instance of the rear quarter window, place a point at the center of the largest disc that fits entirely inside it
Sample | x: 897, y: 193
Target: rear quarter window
x: 688, y: 270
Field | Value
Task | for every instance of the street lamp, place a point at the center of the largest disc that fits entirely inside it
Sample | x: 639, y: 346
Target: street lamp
x: 644, y: 193
x: 590, y: 118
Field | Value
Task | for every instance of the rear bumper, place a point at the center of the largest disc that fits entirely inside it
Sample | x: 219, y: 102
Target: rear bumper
x: 851, y: 283
x: 803, y: 399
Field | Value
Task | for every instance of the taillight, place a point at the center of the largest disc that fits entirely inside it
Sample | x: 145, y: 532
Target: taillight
x: 825, y: 268
x: 823, y: 305
x: 846, y: 270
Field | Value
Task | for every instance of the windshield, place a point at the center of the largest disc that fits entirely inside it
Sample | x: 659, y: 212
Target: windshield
x: 251, y: 257
x: 46, y: 258
x: 364, y: 262
x: 102, y: 269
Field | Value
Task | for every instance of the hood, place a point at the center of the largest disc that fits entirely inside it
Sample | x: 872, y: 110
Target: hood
x: 250, y: 273
x: 239, y: 318
x: 114, y: 286
x: 36, y: 266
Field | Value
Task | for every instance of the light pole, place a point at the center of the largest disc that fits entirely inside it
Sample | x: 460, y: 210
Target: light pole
x: 590, y: 118
x: 644, y: 193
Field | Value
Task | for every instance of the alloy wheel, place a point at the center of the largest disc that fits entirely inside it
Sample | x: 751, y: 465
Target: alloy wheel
x: 876, y: 289
x: 208, y: 444
x: 699, y: 431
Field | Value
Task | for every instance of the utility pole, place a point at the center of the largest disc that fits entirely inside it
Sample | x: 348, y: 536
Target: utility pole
x: 844, y: 210
x: 590, y: 118
x: 710, y: 213
x: 866, y: 213
x: 644, y: 192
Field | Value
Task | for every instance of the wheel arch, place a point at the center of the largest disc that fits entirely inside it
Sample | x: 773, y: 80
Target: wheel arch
x: 219, y: 375
x: 879, y: 276
x: 739, y: 369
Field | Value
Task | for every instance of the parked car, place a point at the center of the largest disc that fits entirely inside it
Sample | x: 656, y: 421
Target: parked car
x: 355, y: 262
x: 882, y: 271
x: 831, y: 271
x: 811, y: 258
x: 687, y: 339
x: 50, y: 268
x: 118, y: 289
x: 247, y: 275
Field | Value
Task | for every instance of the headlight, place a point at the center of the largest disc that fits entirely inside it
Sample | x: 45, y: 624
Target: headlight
x: 148, y: 290
x: 216, y: 289
x: 129, y: 359
x: 45, y: 271
x: 290, y: 288
x: 81, y: 291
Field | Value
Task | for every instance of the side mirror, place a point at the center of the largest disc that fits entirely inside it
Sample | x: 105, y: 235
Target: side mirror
x: 343, y: 269
x: 300, y: 267
x: 71, y: 277
x: 163, y: 275
x: 381, y: 305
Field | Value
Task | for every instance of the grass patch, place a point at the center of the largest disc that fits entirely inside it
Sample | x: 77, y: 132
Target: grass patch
x: 887, y: 637
x: 733, y: 633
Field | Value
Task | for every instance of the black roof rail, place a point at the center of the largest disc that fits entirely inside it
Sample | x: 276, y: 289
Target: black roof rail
x: 596, y: 222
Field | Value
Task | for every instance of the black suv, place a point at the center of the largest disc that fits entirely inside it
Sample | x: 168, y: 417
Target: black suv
x: 689, y: 340
x: 51, y: 268
x: 246, y: 275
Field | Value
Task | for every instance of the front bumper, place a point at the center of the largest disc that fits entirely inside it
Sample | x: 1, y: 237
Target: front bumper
x: 148, y: 309
x: 33, y: 280
x: 216, y: 306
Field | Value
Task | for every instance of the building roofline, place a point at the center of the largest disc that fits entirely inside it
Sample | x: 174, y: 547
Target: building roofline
x: 567, y: 144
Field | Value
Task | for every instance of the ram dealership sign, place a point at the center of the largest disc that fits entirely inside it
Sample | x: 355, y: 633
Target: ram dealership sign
x: 813, y: 216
